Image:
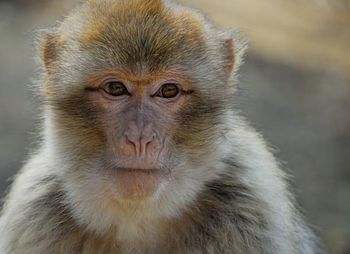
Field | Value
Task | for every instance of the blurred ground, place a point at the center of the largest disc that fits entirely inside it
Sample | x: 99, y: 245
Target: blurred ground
x: 295, y: 89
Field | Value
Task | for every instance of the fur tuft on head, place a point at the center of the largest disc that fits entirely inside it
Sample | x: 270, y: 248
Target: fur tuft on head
x: 148, y: 35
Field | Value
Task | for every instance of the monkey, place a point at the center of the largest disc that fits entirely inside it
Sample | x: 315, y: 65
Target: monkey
x: 141, y: 150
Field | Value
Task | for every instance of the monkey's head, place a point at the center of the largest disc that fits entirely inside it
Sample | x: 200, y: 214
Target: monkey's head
x: 136, y: 93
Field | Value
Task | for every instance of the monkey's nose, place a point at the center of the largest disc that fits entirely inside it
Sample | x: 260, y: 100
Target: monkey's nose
x: 140, y: 139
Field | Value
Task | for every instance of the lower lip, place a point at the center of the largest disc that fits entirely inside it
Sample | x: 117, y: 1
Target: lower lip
x: 138, y: 183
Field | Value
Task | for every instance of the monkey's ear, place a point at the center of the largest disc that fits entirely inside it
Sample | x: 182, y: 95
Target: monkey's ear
x: 49, y: 51
x: 235, y: 46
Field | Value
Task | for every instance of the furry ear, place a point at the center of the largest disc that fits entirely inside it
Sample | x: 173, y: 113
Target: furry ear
x: 235, y: 47
x: 49, y: 50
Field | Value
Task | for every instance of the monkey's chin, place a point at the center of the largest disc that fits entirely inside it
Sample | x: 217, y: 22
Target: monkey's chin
x: 138, y: 183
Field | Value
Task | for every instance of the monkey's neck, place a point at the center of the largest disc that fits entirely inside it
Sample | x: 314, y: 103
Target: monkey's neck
x: 224, y: 207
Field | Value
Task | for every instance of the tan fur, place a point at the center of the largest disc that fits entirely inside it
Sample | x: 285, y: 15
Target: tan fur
x: 225, y: 192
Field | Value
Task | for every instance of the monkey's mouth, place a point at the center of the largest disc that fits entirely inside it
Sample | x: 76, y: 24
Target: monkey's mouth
x: 136, y: 183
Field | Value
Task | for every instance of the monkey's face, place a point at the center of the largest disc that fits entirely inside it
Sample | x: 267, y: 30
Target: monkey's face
x: 139, y: 117
x: 143, y: 132
x: 137, y: 95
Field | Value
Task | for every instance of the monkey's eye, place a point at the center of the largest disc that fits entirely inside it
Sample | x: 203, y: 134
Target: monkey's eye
x: 116, y: 88
x: 168, y: 91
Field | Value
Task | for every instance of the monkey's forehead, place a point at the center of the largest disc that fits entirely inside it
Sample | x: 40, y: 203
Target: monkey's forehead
x: 131, y: 32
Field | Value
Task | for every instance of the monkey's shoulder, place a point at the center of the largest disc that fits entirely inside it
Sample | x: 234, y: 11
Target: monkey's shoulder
x: 35, y: 215
x: 227, y: 209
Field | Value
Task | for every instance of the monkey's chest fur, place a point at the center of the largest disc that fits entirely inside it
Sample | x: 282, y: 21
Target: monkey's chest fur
x: 225, y: 217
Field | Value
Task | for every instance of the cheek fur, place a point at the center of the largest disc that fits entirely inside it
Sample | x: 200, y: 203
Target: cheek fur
x: 198, y: 125
x: 78, y: 120
x: 90, y: 122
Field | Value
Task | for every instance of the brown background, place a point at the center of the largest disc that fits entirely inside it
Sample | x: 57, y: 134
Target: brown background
x: 294, y: 88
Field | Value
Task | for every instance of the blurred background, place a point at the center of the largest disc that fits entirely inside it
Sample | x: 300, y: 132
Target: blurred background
x: 295, y: 89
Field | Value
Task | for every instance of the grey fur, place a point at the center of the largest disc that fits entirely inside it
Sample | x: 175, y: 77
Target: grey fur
x: 233, y: 214
x: 233, y: 199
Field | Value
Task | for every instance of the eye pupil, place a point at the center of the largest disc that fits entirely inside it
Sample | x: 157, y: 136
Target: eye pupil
x: 116, y: 88
x: 169, y: 91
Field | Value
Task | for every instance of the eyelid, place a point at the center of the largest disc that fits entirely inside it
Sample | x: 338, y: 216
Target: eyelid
x: 161, y: 84
x: 105, y: 85
x: 107, y: 80
x: 159, y: 89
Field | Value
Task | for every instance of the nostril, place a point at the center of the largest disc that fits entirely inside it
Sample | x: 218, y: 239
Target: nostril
x: 130, y: 138
x: 128, y: 141
x: 132, y: 141
x: 148, y: 139
x: 126, y: 134
x: 140, y: 140
x: 146, y: 142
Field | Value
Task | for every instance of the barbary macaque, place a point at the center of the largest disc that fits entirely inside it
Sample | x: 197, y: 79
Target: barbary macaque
x: 142, y: 151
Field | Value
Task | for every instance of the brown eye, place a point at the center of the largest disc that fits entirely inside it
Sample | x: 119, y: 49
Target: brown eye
x: 168, y: 91
x: 116, y: 88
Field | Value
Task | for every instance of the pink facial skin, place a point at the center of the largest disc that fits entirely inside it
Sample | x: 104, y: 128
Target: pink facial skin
x: 139, y: 120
